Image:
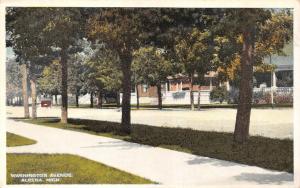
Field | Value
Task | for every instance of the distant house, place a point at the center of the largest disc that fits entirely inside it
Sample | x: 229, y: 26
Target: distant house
x: 282, y: 77
x: 176, y: 89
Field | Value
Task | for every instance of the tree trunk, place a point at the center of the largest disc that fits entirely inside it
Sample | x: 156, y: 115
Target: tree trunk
x: 159, y: 95
x: 118, y: 99
x: 92, y: 100
x: 191, y: 92
x: 25, y: 91
x: 137, y: 97
x: 126, y: 85
x: 99, y: 99
x: 64, y: 86
x: 55, y: 97
x: 241, y: 131
x: 33, y: 93
x: 77, y: 99
x: 199, y: 97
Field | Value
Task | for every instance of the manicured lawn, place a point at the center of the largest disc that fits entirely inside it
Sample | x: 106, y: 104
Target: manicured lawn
x: 259, y: 151
x: 83, y: 171
x: 16, y: 140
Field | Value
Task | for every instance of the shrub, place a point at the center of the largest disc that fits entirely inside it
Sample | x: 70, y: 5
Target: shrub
x: 283, y: 98
x: 219, y: 94
x: 233, y: 96
x: 261, y: 97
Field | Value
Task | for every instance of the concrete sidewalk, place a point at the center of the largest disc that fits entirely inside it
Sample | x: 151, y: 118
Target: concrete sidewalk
x: 157, y: 164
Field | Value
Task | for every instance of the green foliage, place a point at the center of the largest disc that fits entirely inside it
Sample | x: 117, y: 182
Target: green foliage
x: 50, y: 80
x: 16, y: 140
x: 13, y: 79
x: 84, y: 171
x: 273, y: 30
x: 195, y: 52
x: 151, y: 65
x: 219, y: 94
x: 103, y: 70
x: 259, y: 151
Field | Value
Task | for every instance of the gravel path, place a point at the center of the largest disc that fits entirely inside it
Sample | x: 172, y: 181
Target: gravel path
x: 275, y: 123
x: 160, y: 165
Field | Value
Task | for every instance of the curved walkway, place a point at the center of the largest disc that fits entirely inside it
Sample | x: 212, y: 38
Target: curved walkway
x: 157, y: 164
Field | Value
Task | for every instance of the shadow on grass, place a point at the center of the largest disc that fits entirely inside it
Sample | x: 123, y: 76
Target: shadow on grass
x: 276, y: 154
x: 262, y: 178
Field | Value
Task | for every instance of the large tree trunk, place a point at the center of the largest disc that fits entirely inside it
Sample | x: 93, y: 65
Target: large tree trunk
x: 159, y: 95
x: 199, y: 97
x: 126, y: 85
x: 118, y: 99
x: 64, y: 87
x: 99, y: 105
x: 241, y: 131
x: 33, y: 94
x: 191, y: 92
x: 25, y: 91
x: 137, y: 97
x: 92, y: 100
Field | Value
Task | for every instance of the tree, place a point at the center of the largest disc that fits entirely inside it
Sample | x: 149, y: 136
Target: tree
x: 76, y: 75
x: 151, y: 64
x: 25, y: 90
x: 24, y: 28
x: 50, y: 80
x: 247, y: 26
x: 62, y: 27
x: 13, y: 83
x: 122, y: 30
x: 104, y: 73
x: 137, y: 80
x: 194, y: 52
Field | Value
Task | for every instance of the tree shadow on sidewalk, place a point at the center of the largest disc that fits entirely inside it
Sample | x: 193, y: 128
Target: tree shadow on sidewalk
x: 264, y: 178
x: 211, y: 161
x: 120, y: 144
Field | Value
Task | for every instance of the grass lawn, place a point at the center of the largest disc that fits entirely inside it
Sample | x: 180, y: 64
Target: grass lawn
x: 16, y: 140
x: 83, y: 171
x: 259, y: 151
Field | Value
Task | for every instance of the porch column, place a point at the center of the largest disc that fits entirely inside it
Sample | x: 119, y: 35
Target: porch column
x: 180, y: 85
x: 210, y: 83
x: 166, y: 86
x: 177, y: 86
x: 274, y: 79
x: 273, y: 86
x: 227, y: 85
